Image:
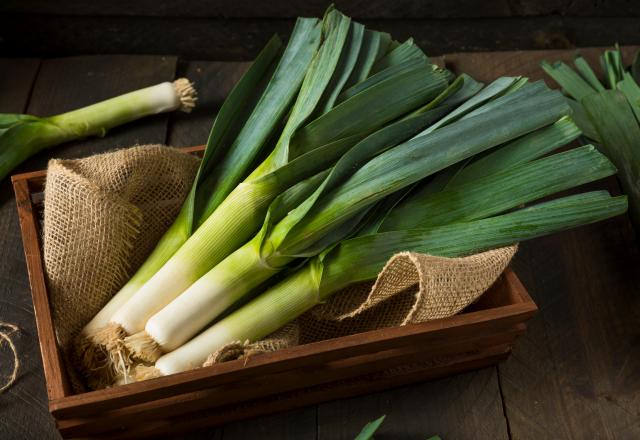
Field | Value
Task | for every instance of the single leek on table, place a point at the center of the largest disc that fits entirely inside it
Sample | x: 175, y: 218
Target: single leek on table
x: 608, y: 114
x: 22, y: 136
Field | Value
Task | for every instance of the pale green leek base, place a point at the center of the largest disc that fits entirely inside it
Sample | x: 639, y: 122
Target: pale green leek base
x: 142, y: 347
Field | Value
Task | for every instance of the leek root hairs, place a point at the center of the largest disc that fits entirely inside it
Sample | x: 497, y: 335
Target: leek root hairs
x: 142, y: 346
x: 110, y: 339
x: 144, y: 372
x: 186, y: 93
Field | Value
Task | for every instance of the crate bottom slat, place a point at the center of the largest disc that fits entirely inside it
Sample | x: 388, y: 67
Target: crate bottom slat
x: 288, y: 381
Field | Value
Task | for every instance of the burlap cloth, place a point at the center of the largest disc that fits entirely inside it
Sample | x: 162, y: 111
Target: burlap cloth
x: 102, y: 217
x: 104, y: 213
x: 411, y: 288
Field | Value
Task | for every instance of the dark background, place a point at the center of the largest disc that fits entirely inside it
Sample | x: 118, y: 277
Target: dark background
x: 226, y: 30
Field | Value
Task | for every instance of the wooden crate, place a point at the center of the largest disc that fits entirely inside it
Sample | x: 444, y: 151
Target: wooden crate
x: 480, y: 336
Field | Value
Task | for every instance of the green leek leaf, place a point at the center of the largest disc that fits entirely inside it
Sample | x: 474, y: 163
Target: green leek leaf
x: 613, y: 118
x: 587, y: 73
x: 370, y: 428
x: 503, y: 190
x: 570, y: 81
x: 339, y: 268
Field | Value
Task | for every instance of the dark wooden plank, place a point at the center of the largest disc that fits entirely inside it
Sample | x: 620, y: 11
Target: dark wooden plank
x: 488, y: 66
x: 60, y: 85
x: 56, y: 378
x: 271, y: 9
x: 442, y: 357
x: 355, y: 8
x: 576, y: 373
x: 292, y: 425
x: 213, y: 80
x: 23, y: 407
x: 16, y: 79
x: 455, y: 328
x: 463, y: 406
x: 242, y: 38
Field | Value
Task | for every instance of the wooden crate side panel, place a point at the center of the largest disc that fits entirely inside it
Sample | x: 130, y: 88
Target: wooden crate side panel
x: 451, y: 329
x: 264, y: 388
x: 259, y: 387
x: 312, y: 395
x: 56, y: 378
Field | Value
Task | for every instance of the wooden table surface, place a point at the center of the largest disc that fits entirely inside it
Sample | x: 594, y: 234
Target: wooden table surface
x: 575, y: 375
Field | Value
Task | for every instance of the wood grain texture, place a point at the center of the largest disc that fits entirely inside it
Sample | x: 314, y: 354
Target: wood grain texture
x: 238, y: 39
x: 60, y: 85
x: 466, y: 406
x: 57, y: 380
x: 576, y: 374
x: 213, y: 80
x: 474, y: 324
x: 488, y: 66
x: 298, y: 424
x: 23, y: 408
x: 354, y: 8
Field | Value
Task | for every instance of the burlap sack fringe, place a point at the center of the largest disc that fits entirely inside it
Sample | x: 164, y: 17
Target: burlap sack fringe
x: 411, y: 288
x: 103, y: 216
x: 287, y: 336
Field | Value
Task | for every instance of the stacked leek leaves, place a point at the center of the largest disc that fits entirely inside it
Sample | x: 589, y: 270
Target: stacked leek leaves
x: 370, y: 121
x: 301, y: 107
x: 609, y: 113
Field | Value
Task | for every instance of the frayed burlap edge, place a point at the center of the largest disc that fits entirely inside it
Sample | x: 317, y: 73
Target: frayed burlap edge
x: 103, y: 215
x: 411, y: 288
x: 287, y: 336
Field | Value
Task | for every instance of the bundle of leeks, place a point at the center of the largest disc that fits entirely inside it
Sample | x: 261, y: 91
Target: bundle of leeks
x: 343, y: 188
x: 609, y: 113
x: 296, y: 111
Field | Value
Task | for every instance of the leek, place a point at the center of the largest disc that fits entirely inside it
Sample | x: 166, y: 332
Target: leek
x: 240, y: 131
x: 301, y: 151
x: 609, y: 117
x: 341, y: 202
x: 22, y: 136
x: 491, y: 195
